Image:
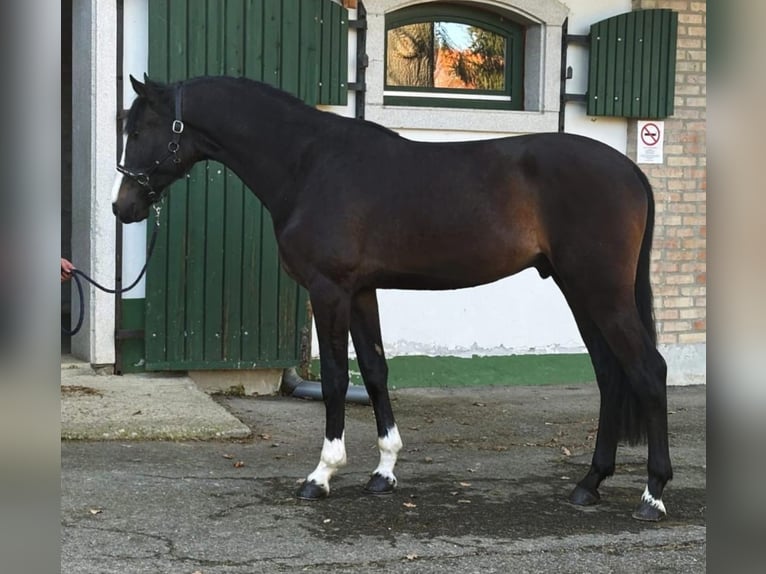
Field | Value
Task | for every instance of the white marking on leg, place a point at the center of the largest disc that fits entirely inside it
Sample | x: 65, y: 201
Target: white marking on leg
x: 332, y: 458
x: 655, y: 503
x: 389, y: 446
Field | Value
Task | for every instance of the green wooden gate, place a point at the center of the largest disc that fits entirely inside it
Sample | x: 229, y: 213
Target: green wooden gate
x: 216, y: 296
x: 632, y: 69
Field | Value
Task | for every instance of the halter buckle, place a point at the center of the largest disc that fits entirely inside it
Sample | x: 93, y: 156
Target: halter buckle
x: 177, y: 127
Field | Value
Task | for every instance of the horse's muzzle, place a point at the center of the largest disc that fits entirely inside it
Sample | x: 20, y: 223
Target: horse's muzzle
x: 130, y: 213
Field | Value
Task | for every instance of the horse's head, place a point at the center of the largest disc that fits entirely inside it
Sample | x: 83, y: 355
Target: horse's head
x: 157, y: 152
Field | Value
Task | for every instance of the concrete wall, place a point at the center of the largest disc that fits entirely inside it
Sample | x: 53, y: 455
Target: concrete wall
x: 94, y: 145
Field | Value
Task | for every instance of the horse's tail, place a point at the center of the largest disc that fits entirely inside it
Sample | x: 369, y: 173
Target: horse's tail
x: 644, y: 296
x: 622, y: 411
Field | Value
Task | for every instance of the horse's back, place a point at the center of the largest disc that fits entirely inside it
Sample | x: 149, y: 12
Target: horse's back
x: 447, y: 215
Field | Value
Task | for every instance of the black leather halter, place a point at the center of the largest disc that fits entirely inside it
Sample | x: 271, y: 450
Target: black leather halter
x: 143, y: 176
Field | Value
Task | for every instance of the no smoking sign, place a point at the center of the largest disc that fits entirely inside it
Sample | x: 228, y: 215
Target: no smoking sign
x: 651, y: 136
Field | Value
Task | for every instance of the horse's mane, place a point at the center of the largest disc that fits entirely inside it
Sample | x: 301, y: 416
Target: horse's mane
x: 166, y: 92
x: 288, y: 98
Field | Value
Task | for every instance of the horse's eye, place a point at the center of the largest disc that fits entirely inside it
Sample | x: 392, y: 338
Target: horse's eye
x: 134, y: 135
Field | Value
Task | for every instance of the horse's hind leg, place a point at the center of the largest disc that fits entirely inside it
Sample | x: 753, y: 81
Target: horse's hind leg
x: 642, y: 403
x: 631, y: 376
x: 608, y: 374
x: 365, y: 333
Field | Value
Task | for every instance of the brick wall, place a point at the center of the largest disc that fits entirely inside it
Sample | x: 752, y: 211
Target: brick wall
x: 680, y: 186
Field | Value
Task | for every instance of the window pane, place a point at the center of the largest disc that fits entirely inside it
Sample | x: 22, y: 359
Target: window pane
x: 445, y: 55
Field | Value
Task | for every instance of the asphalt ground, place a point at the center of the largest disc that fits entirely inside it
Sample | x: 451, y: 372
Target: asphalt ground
x: 483, y: 482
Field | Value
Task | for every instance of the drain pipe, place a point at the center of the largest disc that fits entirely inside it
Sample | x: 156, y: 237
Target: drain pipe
x: 295, y: 386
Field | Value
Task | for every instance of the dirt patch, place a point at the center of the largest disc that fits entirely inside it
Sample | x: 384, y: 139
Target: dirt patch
x: 79, y: 390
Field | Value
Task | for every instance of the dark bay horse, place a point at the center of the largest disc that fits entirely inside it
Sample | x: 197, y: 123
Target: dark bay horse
x: 357, y: 208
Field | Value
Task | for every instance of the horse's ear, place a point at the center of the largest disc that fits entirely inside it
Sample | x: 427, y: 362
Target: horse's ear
x: 138, y: 87
x: 152, y: 91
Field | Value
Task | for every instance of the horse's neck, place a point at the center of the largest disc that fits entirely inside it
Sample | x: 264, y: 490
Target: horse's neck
x: 259, y: 136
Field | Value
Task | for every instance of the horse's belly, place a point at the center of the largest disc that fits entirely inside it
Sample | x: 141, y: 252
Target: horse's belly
x: 449, y: 274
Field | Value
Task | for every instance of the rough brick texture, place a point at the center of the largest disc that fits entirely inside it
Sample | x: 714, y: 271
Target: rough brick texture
x: 680, y: 186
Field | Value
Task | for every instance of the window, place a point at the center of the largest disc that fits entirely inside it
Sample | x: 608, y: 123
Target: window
x: 527, y: 103
x: 442, y: 55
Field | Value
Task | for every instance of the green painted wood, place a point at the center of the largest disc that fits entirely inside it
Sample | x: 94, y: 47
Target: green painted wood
x: 217, y: 297
x: 272, y: 39
x: 597, y: 69
x: 671, y: 60
x: 632, y: 65
x: 611, y: 64
x: 155, y: 339
x: 214, y: 258
x: 646, y: 63
x: 638, y: 58
x: 325, y: 58
x: 618, y: 98
x: 336, y: 31
x: 269, y: 296
x: 195, y: 263
x: 310, y: 38
x: 253, y: 12
x: 197, y: 200
x: 628, y: 72
x: 654, y: 67
x: 290, y: 62
x: 175, y: 212
x: 342, y: 57
x: 132, y: 350
x: 251, y: 279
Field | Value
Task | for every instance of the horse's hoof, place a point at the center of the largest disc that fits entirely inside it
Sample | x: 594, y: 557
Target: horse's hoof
x: 648, y: 512
x: 584, y: 497
x: 379, y: 484
x: 310, y: 490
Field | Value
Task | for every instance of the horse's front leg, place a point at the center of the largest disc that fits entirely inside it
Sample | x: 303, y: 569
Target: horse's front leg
x: 365, y: 332
x: 331, y: 306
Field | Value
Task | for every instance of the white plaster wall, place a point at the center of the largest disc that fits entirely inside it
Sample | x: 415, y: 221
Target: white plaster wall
x: 583, y: 13
x: 93, y: 157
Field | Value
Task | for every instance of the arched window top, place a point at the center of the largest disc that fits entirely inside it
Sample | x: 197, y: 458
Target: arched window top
x: 476, y: 14
x: 449, y: 55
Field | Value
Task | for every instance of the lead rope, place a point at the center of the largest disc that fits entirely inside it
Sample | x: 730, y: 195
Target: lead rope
x: 76, y: 274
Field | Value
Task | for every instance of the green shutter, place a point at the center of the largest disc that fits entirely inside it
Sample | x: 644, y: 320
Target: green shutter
x: 216, y: 295
x: 633, y: 65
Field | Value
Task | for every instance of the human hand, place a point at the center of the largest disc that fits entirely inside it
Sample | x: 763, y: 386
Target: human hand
x: 66, y: 269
